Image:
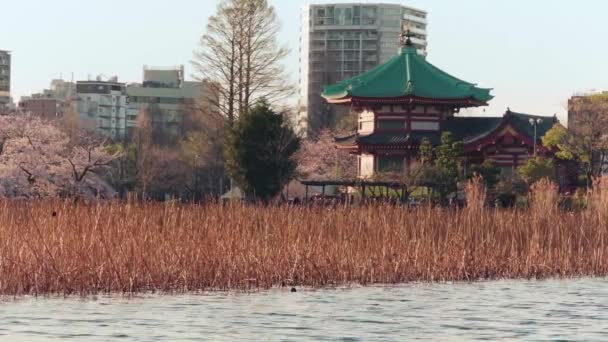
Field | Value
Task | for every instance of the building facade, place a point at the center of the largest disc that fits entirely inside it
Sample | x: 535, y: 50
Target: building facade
x: 112, y: 108
x: 51, y: 103
x: 339, y: 41
x: 581, y: 103
x: 166, y: 97
x: 45, y: 108
x: 407, y: 99
x: 102, y: 107
x: 5, y: 78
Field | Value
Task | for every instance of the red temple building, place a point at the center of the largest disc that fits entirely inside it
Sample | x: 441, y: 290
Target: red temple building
x: 407, y: 99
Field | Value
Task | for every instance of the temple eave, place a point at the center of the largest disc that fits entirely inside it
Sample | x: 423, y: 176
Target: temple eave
x: 462, y: 102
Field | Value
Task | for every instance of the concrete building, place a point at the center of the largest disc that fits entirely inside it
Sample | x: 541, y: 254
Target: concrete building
x: 166, y: 96
x: 5, y: 78
x: 102, y: 106
x: 581, y: 102
x: 61, y: 90
x: 111, y: 108
x: 50, y: 103
x: 339, y: 41
x: 46, y: 108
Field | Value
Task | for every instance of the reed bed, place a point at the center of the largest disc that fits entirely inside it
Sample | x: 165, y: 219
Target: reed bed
x: 64, y: 248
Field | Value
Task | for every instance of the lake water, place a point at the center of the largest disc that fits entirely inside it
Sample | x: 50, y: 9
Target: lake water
x: 506, y: 310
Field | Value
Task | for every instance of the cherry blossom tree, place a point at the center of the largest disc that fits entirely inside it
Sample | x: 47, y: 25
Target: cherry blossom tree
x: 319, y: 158
x: 38, y: 160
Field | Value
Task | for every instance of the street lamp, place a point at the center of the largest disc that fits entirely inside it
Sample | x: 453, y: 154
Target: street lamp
x: 535, y: 123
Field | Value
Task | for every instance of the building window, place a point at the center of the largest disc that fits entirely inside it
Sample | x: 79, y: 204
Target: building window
x: 390, y: 164
x: 425, y: 126
x: 391, y: 124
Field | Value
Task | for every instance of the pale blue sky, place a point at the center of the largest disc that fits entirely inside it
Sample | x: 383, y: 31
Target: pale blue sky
x: 534, y: 54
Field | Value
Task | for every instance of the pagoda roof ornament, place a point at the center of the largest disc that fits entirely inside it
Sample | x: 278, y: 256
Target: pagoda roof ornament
x: 405, y: 38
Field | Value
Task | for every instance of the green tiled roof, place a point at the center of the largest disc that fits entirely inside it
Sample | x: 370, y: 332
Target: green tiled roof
x: 521, y: 122
x: 465, y: 129
x: 470, y: 128
x: 407, y: 75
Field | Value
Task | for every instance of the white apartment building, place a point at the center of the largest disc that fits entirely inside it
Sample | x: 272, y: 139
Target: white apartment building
x: 102, y: 106
x: 111, y: 108
x: 339, y: 41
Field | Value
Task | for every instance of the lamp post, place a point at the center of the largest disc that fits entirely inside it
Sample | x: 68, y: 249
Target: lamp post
x: 535, y: 123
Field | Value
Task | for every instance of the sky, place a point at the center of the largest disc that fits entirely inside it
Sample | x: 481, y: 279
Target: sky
x: 534, y: 54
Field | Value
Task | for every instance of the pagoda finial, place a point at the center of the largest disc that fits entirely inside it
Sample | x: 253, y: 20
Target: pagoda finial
x: 406, y: 37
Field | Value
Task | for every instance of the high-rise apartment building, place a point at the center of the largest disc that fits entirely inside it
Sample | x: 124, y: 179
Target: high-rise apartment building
x: 5, y: 78
x: 340, y: 41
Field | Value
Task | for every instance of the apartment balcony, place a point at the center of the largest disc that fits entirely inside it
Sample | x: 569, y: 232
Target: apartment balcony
x: 370, y: 48
x: 363, y: 26
x: 415, y: 19
x: 418, y: 41
x: 416, y: 30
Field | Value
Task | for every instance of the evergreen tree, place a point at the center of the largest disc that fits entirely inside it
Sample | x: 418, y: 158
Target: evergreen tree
x: 448, y: 156
x: 488, y: 171
x: 536, y: 169
x: 445, y: 172
x: 260, y: 153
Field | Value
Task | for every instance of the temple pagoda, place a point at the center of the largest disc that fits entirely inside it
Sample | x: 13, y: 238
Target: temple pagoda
x: 407, y: 99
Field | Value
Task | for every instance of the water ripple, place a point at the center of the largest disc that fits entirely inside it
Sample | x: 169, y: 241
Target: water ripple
x: 510, y: 310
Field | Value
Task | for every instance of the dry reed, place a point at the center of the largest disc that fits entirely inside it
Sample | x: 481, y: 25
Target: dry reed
x: 64, y: 248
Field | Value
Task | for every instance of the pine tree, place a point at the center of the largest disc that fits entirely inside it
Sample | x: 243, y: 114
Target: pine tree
x: 260, y: 153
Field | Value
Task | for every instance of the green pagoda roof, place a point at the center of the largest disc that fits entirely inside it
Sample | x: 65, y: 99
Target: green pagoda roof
x: 407, y: 77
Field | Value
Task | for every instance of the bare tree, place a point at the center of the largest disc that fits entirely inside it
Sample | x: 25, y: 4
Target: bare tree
x: 144, y: 151
x: 240, y: 53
